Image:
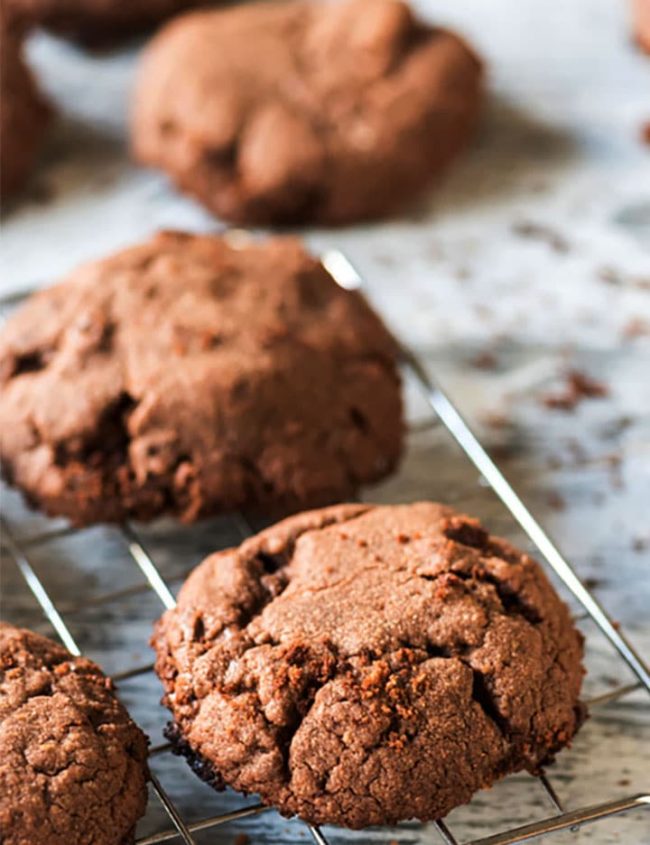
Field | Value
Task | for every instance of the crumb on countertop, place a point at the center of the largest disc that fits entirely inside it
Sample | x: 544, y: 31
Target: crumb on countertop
x: 578, y: 386
x: 541, y: 232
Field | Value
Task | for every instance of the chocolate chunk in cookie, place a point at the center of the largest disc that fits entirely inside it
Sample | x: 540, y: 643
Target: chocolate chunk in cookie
x: 73, y: 766
x: 186, y: 376
x: 301, y: 111
x: 361, y: 665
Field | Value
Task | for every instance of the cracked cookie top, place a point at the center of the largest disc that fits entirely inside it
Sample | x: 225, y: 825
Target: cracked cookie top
x: 187, y: 376
x: 363, y: 664
x: 289, y: 112
x: 73, y: 766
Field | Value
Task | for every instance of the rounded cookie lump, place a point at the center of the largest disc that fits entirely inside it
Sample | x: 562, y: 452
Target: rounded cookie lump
x: 98, y: 22
x: 361, y: 665
x: 186, y: 376
x: 24, y: 116
x: 301, y: 111
x: 73, y: 766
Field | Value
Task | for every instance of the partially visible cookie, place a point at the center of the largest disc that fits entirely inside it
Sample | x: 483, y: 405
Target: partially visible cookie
x: 24, y: 115
x: 185, y: 376
x: 73, y: 766
x: 361, y: 665
x: 641, y: 12
x: 292, y: 112
x: 98, y: 22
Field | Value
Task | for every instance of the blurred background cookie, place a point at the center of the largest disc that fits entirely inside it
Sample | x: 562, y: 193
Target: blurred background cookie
x: 641, y: 11
x: 98, y: 22
x: 24, y: 113
x: 295, y: 112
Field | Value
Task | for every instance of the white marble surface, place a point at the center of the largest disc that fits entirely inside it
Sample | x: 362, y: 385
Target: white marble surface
x: 559, y: 148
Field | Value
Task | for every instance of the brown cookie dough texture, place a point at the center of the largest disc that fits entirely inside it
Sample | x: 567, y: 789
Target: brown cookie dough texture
x: 362, y: 665
x: 302, y: 111
x: 24, y: 114
x: 98, y: 22
x: 187, y: 376
x: 641, y: 13
x: 73, y: 766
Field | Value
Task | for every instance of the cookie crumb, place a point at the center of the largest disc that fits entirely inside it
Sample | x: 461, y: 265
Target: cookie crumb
x: 579, y: 386
x: 485, y: 360
x: 556, y: 501
x: 634, y: 328
x: 541, y: 232
x: 645, y: 132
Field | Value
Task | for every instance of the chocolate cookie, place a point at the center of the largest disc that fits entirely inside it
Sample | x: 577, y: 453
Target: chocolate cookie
x: 360, y: 665
x: 24, y: 115
x: 98, y: 22
x: 301, y: 111
x: 73, y: 766
x: 187, y: 376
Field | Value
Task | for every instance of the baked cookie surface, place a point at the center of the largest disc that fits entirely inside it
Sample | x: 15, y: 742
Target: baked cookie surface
x: 24, y: 116
x: 73, y: 766
x: 187, y: 377
x: 98, y: 22
x: 289, y: 112
x: 362, y: 665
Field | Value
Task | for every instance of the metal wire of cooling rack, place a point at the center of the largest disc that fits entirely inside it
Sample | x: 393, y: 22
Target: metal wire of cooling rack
x: 563, y: 819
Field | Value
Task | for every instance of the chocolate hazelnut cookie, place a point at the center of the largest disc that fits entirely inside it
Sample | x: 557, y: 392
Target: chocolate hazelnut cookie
x: 24, y: 115
x: 98, y: 22
x: 73, y: 766
x: 186, y: 376
x: 361, y: 665
x: 289, y: 112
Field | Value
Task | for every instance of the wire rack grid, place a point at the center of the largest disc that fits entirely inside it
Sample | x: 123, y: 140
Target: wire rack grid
x: 562, y: 819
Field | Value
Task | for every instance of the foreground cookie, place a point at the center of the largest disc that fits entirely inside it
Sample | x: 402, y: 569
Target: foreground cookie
x: 73, y: 766
x: 98, y: 22
x: 24, y: 115
x: 185, y: 376
x: 361, y: 665
x: 303, y: 111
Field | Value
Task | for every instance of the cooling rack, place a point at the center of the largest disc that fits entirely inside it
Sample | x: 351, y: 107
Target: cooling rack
x: 22, y: 550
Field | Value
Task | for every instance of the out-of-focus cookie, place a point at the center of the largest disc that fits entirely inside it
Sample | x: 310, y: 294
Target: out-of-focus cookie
x: 98, y: 22
x: 304, y: 111
x: 24, y: 114
x: 641, y: 13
